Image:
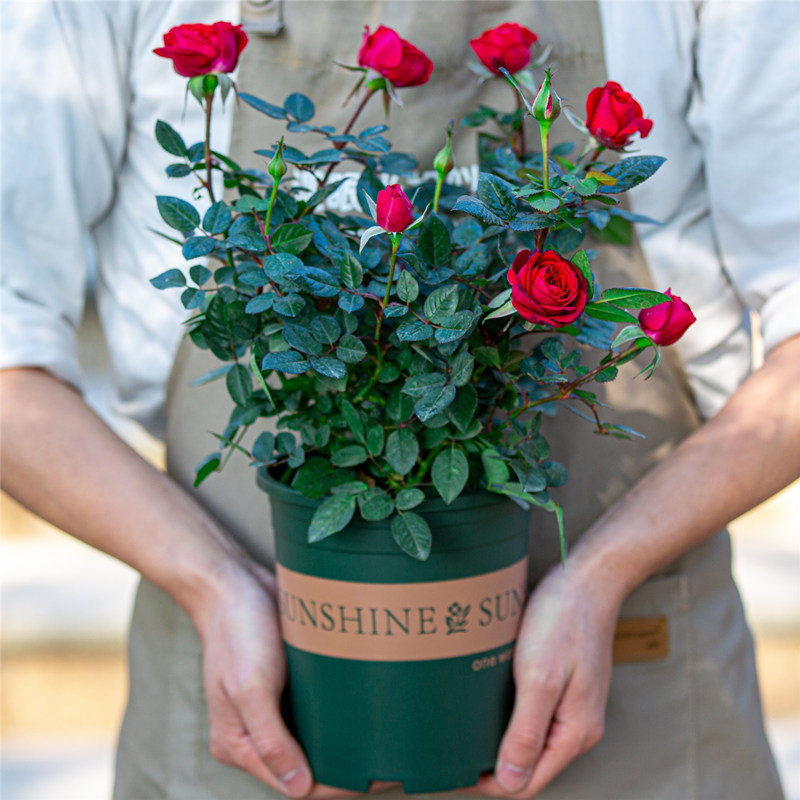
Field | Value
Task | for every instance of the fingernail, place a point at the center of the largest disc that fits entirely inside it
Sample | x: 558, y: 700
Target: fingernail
x: 511, y: 778
x: 296, y: 782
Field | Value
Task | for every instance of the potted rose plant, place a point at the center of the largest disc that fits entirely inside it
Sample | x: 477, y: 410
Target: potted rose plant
x: 406, y: 355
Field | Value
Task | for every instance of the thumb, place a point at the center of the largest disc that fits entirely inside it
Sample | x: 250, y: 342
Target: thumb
x: 525, y: 737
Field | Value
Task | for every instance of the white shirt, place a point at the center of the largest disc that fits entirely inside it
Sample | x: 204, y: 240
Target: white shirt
x: 82, y: 92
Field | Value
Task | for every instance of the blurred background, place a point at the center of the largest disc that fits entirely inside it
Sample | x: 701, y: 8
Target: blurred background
x: 64, y: 611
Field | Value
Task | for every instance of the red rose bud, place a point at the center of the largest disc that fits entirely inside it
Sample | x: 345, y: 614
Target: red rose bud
x: 668, y: 321
x: 394, y: 58
x: 547, y: 289
x: 395, y: 212
x: 546, y: 105
x: 277, y: 166
x: 443, y: 160
x: 199, y: 49
x: 507, y: 46
x: 613, y: 116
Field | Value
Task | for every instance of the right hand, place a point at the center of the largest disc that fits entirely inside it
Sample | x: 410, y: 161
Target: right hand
x: 244, y: 674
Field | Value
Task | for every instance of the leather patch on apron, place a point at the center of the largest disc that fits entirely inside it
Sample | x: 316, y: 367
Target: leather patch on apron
x: 641, y: 639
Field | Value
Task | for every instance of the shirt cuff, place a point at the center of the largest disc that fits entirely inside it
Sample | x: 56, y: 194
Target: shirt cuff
x: 780, y: 316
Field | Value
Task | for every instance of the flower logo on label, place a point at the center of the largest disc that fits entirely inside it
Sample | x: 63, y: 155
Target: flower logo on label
x: 457, y: 618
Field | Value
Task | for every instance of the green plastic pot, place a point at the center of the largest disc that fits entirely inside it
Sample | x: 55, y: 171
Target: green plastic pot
x: 400, y: 670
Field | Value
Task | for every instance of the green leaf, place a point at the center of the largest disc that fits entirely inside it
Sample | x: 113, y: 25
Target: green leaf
x: 409, y: 498
x: 454, y: 327
x: 627, y: 334
x: 434, y: 400
x: 239, y: 383
x: 329, y: 366
x: 314, y: 478
x: 198, y: 246
x: 260, y: 303
x: 494, y: 467
x: 461, y: 368
x: 415, y: 331
x: 475, y: 208
x: 199, y: 274
x: 375, y: 440
x: 441, y: 303
x: 217, y: 218
x: 351, y: 272
x: 289, y: 361
x: 351, y: 350
x: 178, y: 214
x: 333, y: 514
x: 417, y: 385
x: 276, y: 112
x: 289, y: 305
x: 350, y: 487
x: 375, y: 504
x: 449, y: 473
x: 170, y: 139
x: 498, y: 195
x: 299, y: 106
x: 581, y: 261
x: 461, y: 411
x: 504, y: 310
x: 407, y: 287
x: 412, y: 534
x: 349, y: 456
x: 530, y: 222
x: 402, y: 450
x: 633, y: 298
x: 353, y: 419
x: 434, y: 242
x: 208, y: 465
x: 292, y: 239
x: 610, y: 313
x: 178, y: 170
x: 630, y: 172
x: 170, y: 279
x: 488, y: 355
x: 545, y: 202
x: 250, y: 241
x: 616, y: 231
x: 301, y: 339
x: 326, y: 330
x: 263, y: 447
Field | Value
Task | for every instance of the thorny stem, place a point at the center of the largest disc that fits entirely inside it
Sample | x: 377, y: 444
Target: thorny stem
x: 207, y: 146
x: 544, y: 132
x: 265, y: 231
x: 347, y: 129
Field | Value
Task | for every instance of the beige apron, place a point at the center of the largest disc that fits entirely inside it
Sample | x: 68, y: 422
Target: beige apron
x: 685, y: 726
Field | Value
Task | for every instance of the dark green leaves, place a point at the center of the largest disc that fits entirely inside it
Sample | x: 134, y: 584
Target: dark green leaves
x: 449, y: 473
x: 170, y: 139
x: 412, y: 534
x: 178, y: 214
x: 402, y: 450
x: 332, y: 516
x: 630, y: 172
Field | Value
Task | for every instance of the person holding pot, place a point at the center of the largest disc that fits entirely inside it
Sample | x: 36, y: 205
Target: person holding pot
x: 207, y: 669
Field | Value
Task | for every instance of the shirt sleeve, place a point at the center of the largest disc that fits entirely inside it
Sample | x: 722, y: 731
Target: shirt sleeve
x: 747, y: 116
x: 81, y: 94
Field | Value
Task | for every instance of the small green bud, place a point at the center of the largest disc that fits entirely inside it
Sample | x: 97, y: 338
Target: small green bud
x: 277, y: 167
x: 443, y: 160
x: 547, y: 104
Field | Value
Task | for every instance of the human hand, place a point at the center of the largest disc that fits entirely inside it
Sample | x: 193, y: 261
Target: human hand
x: 244, y: 673
x: 562, y: 671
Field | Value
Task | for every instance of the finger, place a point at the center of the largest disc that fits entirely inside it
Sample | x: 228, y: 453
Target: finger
x: 276, y: 747
x: 537, y: 697
x: 567, y: 740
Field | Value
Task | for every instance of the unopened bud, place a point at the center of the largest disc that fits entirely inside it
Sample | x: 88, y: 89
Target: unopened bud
x: 443, y: 160
x: 547, y: 104
x: 277, y: 167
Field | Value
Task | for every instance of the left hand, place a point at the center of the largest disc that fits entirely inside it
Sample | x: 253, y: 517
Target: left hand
x: 562, y: 671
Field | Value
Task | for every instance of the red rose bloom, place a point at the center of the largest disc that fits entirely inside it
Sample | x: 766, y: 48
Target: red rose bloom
x: 668, y: 321
x: 547, y: 289
x: 508, y: 46
x: 199, y: 49
x: 394, y: 58
x: 395, y: 212
x: 613, y: 116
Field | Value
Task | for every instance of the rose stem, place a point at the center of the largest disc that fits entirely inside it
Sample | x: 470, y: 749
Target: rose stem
x: 520, y: 148
x: 347, y: 129
x: 396, y: 239
x: 207, y: 146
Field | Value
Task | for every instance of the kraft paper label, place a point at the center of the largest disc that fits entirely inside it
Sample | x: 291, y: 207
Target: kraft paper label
x: 641, y: 639
x: 402, y: 621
